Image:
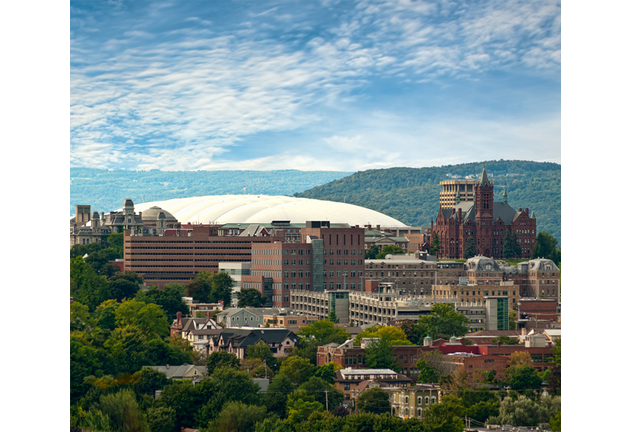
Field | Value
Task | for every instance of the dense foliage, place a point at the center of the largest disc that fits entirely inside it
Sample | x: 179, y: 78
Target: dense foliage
x: 411, y: 195
x: 122, y: 328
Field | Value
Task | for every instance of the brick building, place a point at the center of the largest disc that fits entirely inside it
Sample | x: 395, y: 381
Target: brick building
x: 328, y: 257
x: 179, y: 255
x: 485, y: 221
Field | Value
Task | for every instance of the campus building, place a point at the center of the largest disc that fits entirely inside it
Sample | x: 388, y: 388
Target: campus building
x: 329, y: 257
x: 484, y: 221
x: 178, y: 255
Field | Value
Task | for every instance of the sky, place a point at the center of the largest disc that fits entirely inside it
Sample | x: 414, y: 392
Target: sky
x: 312, y: 85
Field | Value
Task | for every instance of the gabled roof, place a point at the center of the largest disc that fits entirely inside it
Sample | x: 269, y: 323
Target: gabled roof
x: 178, y: 371
x: 243, y: 337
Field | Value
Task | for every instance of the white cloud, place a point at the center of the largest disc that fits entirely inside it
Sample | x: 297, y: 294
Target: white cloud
x: 198, y: 91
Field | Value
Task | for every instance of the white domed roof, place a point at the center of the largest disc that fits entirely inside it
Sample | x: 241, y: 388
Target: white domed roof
x: 223, y: 209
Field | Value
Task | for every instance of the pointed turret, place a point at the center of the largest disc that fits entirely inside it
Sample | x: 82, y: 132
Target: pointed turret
x: 484, y: 178
x: 505, y: 197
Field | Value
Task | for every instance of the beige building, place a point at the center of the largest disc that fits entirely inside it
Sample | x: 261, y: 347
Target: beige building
x: 451, y: 189
x: 408, y: 274
x: 410, y: 402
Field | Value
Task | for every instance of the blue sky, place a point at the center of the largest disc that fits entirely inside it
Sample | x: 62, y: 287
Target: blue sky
x: 312, y: 85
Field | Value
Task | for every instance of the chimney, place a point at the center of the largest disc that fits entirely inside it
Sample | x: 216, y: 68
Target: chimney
x: 378, y: 227
x: 179, y: 319
x: 527, y: 211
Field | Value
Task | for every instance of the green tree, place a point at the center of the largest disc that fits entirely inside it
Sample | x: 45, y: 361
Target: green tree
x: 124, y: 285
x: 277, y: 393
x: 322, y: 390
x: 444, y: 321
x: 432, y: 366
x: 238, y: 417
x: 511, y: 248
x: 390, y: 250
x: 379, y: 354
x: 79, y: 316
x: 523, y: 377
x: 219, y: 359
x: 546, y: 247
x: 148, y: 318
x: 297, y: 369
x: 148, y: 380
x: 170, y: 298
x: 222, y: 288
x: 185, y: 399
x: 332, y: 316
x: 161, y: 419
x: 116, y: 242
x: 374, y: 400
x: 200, y: 288
x: 371, y: 252
x: 445, y: 416
x: 319, y: 333
x: 86, y: 286
x: 326, y: 372
x: 470, y: 250
x: 250, y: 297
x: 436, y: 246
x: 300, y: 406
x: 395, y: 335
x: 123, y: 412
x: 554, y: 423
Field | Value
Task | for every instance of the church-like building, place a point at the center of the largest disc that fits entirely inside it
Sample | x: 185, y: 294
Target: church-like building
x: 483, y: 219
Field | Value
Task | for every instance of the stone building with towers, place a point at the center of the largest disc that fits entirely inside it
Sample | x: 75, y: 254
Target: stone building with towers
x: 86, y: 227
x: 484, y: 220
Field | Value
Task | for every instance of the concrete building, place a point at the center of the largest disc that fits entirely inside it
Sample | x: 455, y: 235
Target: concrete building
x: 236, y: 270
x: 456, y: 191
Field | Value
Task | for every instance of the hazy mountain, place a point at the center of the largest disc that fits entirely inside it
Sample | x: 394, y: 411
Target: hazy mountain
x: 411, y: 195
x: 106, y: 190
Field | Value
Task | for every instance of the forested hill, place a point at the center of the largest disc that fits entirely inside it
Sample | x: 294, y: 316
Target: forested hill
x: 412, y: 195
x: 106, y: 190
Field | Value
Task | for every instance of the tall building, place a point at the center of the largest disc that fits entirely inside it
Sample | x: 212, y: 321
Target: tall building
x: 456, y: 191
x: 485, y: 222
x: 328, y: 257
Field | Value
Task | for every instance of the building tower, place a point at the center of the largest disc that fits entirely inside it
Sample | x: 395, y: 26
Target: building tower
x: 484, y: 207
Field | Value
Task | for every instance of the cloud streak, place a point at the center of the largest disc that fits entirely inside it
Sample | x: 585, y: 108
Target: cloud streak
x: 189, y: 95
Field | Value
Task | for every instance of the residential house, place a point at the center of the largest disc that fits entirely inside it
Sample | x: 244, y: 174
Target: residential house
x: 182, y: 372
x: 237, y: 340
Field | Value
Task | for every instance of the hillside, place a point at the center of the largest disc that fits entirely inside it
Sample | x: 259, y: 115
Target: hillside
x: 411, y: 195
x: 106, y: 190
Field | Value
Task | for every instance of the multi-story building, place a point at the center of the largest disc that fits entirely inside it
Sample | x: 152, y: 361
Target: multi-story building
x: 408, y: 274
x: 456, y: 191
x: 329, y: 257
x: 539, y: 278
x: 179, y: 255
x: 347, y: 355
x: 348, y: 379
x: 236, y: 270
x: 484, y: 221
x: 410, y: 402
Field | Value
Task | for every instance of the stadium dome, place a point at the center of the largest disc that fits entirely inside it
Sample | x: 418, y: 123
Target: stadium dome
x: 223, y: 209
